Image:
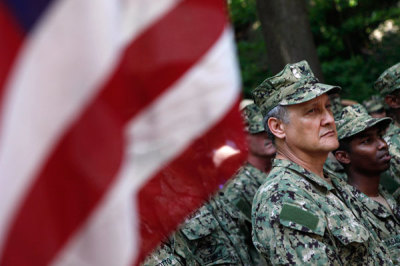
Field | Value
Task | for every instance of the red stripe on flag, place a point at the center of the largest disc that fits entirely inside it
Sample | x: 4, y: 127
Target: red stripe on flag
x: 9, y: 45
x: 184, y: 184
x: 84, y: 163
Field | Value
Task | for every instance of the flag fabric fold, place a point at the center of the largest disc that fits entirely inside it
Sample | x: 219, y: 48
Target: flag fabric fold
x: 112, y: 116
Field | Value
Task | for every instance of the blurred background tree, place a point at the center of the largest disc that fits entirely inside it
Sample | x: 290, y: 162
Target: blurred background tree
x: 355, y: 40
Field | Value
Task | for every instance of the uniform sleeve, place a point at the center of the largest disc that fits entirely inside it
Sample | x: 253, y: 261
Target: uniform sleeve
x: 288, y: 230
x: 394, y: 150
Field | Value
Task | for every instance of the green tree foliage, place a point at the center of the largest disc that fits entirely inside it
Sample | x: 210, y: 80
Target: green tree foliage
x: 342, y: 31
x: 250, y: 43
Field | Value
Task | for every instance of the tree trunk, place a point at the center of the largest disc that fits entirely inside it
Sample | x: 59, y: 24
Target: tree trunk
x: 287, y: 34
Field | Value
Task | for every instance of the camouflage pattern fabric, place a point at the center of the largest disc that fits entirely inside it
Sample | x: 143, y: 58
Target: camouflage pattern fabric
x: 212, y: 236
x: 239, y: 192
x: 299, y: 219
x: 336, y: 105
x: 374, y: 104
x: 392, y: 138
x: 163, y: 255
x: 295, y: 84
x: 355, y: 119
x: 333, y: 166
x: 396, y: 196
x: 385, y: 224
x: 253, y: 119
x: 389, y: 80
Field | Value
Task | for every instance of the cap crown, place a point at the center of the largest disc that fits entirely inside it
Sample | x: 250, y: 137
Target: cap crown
x: 253, y: 119
x: 355, y: 119
x: 389, y: 80
x: 295, y: 84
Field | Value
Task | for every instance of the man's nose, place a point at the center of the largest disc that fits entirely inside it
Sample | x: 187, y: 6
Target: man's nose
x: 327, y: 118
x: 382, y: 144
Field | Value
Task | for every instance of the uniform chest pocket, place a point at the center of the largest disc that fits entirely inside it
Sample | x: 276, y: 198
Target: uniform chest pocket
x: 347, y: 230
x: 393, y: 244
x: 208, y: 242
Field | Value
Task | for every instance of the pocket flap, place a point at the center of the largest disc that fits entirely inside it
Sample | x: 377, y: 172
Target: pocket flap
x: 347, y: 230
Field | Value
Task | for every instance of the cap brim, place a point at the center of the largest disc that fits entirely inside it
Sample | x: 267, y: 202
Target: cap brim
x: 360, y: 125
x: 308, y: 93
x: 256, y: 131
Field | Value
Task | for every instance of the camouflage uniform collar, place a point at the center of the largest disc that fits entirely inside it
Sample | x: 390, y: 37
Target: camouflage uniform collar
x: 304, y: 172
x: 259, y: 177
x: 375, y: 207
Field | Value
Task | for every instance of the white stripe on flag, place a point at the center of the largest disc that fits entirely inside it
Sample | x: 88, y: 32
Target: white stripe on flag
x: 75, y: 47
x: 160, y: 133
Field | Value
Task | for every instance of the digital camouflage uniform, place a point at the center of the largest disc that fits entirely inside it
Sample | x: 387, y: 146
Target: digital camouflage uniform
x: 336, y: 104
x: 392, y: 138
x: 212, y: 236
x: 382, y: 222
x: 240, y: 190
x: 332, y: 165
x: 388, y: 82
x: 299, y: 218
x: 163, y: 255
x: 374, y: 104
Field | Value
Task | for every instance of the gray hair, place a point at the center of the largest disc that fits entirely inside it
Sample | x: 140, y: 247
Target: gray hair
x: 280, y: 112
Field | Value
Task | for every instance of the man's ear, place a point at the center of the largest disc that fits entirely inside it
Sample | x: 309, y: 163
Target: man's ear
x: 393, y: 101
x: 276, y: 127
x: 343, y: 157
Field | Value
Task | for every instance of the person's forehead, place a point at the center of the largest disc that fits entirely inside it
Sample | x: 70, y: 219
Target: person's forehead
x: 368, y: 132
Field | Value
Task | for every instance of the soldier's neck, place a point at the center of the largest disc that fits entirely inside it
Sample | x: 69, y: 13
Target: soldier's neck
x: 312, y: 163
x: 396, y: 116
x: 366, y: 183
x: 261, y: 163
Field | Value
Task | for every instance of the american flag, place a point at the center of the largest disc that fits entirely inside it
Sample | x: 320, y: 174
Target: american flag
x: 117, y: 119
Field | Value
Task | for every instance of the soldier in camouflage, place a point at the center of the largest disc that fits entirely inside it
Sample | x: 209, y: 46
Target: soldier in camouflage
x: 331, y: 164
x: 364, y: 154
x: 240, y: 190
x: 220, y: 231
x: 298, y: 215
x: 388, y: 84
x: 164, y: 255
x: 375, y: 106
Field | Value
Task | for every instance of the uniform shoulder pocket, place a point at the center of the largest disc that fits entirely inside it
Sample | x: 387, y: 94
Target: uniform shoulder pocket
x: 200, y: 224
x: 295, y: 217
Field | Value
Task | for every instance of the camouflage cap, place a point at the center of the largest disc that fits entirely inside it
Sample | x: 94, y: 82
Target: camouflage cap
x: 253, y: 119
x: 374, y: 104
x: 295, y: 84
x: 355, y: 119
x: 389, y: 80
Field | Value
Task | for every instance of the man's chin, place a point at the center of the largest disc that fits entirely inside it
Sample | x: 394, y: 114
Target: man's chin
x: 330, y: 145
